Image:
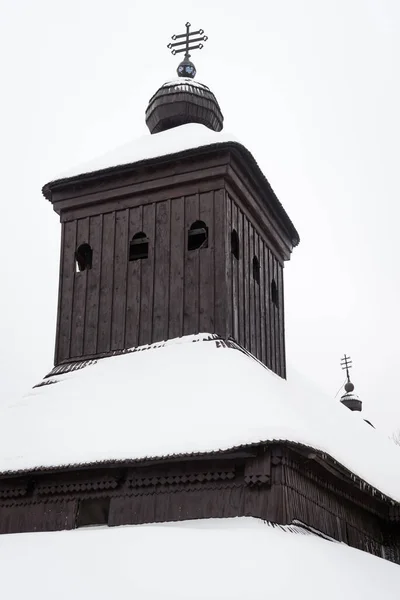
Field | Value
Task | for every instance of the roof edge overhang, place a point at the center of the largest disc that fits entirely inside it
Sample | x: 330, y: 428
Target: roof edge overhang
x: 321, y: 459
x: 235, y: 148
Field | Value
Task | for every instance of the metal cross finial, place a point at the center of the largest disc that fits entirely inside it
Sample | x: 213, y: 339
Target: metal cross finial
x: 346, y: 364
x: 186, y: 41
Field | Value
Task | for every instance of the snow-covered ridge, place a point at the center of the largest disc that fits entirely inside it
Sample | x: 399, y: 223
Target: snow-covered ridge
x: 172, y: 141
x: 181, y: 398
x: 186, y: 81
x: 215, y: 559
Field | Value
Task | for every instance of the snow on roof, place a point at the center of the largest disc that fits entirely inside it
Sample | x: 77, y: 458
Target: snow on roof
x: 216, y: 559
x: 180, y: 397
x: 182, y: 81
x: 172, y: 141
x: 190, y: 136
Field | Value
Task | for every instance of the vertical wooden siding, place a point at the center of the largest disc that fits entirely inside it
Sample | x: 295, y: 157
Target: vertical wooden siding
x: 119, y: 303
x: 257, y: 324
x: 330, y: 513
x: 120, y: 280
x: 93, y: 286
x: 49, y: 516
x: 66, y: 290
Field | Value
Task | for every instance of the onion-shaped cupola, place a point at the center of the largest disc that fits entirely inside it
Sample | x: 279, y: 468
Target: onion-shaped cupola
x: 184, y: 100
x: 350, y: 399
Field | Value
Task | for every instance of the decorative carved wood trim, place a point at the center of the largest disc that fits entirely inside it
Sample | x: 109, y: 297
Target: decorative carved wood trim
x: 12, y: 490
x: 257, y: 471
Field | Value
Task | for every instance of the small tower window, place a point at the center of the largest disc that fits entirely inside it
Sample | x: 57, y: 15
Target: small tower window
x: 139, y: 246
x: 198, y: 236
x: 235, y: 244
x: 83, y: 258
x: 274, y: 293
x: 256, y: 269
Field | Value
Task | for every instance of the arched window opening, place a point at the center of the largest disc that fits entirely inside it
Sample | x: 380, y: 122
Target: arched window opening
x: 198, y: 236
x: 83, y: 258
x: 256, y: 269
x: 139, y: 246
x: 235, y: 244
x: 274, y: 293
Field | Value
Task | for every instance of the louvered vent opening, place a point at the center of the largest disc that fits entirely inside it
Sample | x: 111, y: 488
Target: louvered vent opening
x: 83, y: 258
x: 139, y: 247
x: 235, y: 244
x: 198, y: 236
x: 256, y: 269
x: 274, y: 293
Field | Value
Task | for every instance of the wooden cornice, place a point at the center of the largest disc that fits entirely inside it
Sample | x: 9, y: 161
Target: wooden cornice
x: 148, y: 176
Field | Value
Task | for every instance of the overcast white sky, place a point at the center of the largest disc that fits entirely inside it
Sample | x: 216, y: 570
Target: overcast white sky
x: 310, y: 86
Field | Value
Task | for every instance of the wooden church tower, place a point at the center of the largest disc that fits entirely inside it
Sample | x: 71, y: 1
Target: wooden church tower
x: 173, y: 246
x: 186, y: 239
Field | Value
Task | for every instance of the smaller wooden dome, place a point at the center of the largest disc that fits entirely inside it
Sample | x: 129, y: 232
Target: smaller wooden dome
x: 351, y: 400
x: 183, y: 101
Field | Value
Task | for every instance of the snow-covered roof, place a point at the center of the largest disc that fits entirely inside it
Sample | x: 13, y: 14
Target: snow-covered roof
x: 182, y: 81
x: 216, y: 559
x: 181, y: 397
x: 172, y: 141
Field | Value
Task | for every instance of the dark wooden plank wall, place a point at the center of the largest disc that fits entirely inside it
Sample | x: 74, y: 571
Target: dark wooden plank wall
x: 93, y: 286
x: 106, y: 283
x: 218, y: 501
x: 120, y: 303
x: 294, y: 500
x: 41, y: 516
x: 273, y: 483
x: 79, y: 298
x: 256, y: 323
x: 63, y: 340
x: 222, y: 321
x: 206, y: 267
x: 192, y: 261
x: 272, y: 316
x: 176, y: 291
x: 60, y: 285
x: 120, y: 280
x: 330, y: 513
x: 281, y: 313
x: 236, y: 262
x: 162, y: 241
x: 134, y: 282
x: 147, y: 277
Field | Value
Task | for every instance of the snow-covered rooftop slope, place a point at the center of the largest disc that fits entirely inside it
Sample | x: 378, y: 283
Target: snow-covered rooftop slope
x: 181, y: 82
x: 218, y: 559
x: 172, y: 141
x: 184, y: 397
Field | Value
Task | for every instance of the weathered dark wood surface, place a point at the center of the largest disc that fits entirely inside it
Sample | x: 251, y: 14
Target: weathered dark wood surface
x: 179, y: 103
x: 275, y: 483
x: 174, y: 291
x: 120, y: 303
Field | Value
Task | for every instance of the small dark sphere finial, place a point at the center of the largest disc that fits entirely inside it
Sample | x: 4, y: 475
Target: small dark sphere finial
x: 186, y: 69
x: 349, y: 387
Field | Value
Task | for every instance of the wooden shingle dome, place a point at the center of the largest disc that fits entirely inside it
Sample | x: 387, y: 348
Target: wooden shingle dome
x: 183, y: 101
